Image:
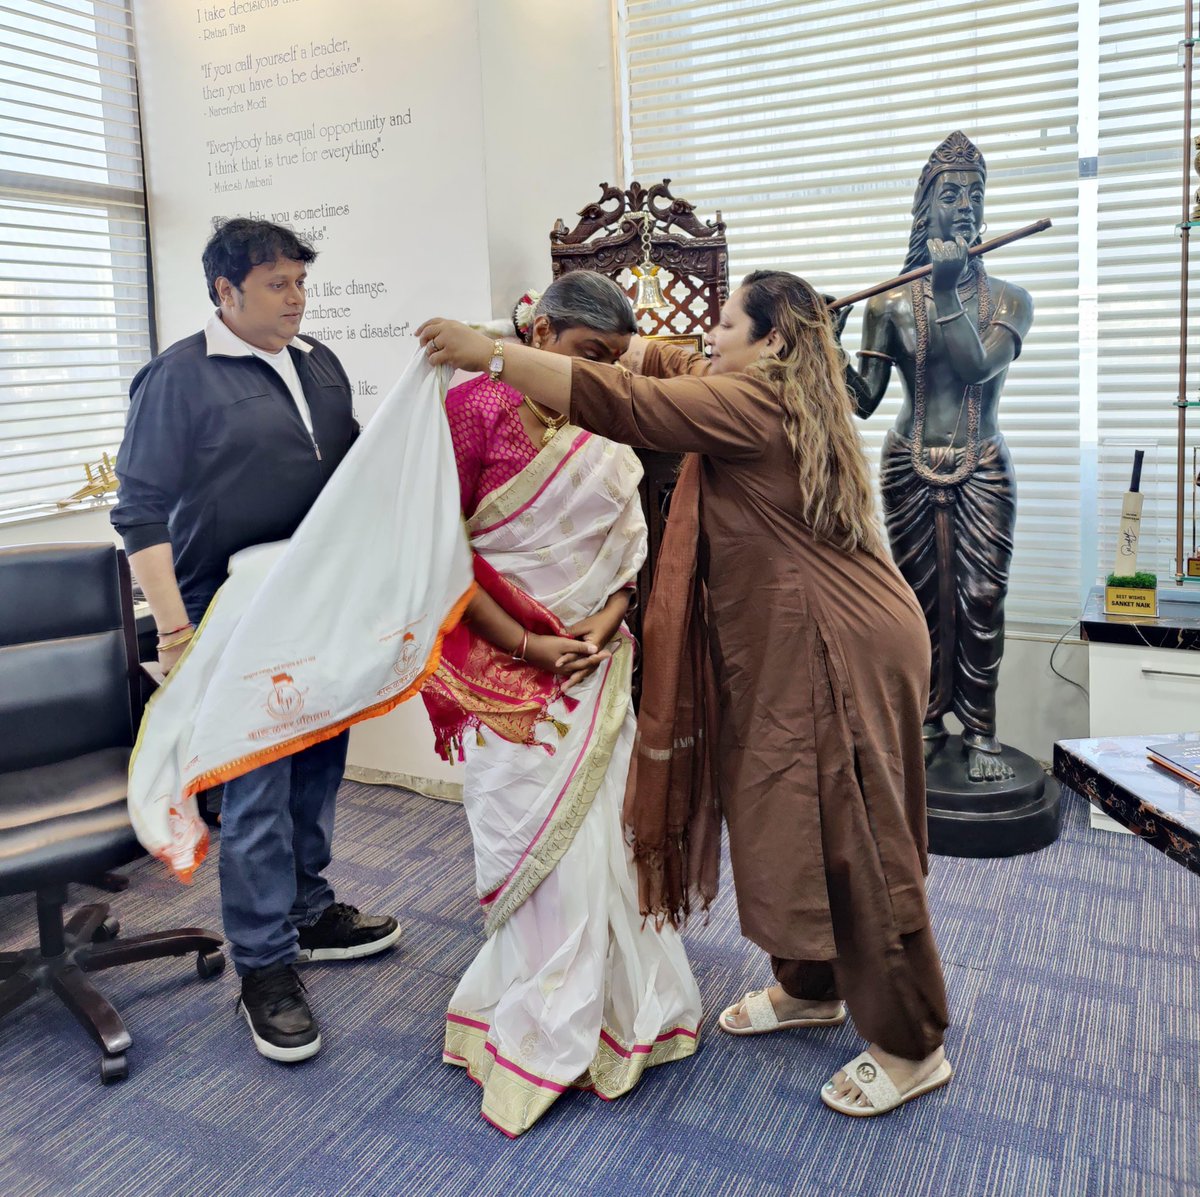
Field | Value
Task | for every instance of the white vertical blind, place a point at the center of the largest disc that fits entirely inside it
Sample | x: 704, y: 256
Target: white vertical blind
x: 807, y: 125
x: 1140, y: 201
x: 74, y: 316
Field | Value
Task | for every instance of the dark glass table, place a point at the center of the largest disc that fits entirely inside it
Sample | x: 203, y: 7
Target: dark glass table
x: 1116, y: 775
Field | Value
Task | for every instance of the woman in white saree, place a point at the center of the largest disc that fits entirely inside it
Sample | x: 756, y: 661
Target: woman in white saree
x: 571, y: 988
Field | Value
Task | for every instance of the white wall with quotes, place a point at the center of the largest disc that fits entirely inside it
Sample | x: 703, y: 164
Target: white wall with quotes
x: 359, y: 123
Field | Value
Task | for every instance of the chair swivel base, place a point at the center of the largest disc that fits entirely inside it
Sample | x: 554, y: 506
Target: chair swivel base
x: 88, y: 943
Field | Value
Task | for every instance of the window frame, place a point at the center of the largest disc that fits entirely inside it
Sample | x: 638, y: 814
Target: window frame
x: 119, y: 203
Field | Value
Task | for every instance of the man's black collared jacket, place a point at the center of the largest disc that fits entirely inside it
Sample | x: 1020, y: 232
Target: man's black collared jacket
x: 216, y: 456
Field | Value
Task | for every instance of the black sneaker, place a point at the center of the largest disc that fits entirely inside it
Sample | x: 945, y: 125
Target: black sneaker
x: 342, y: 933
x: 273, y: 1005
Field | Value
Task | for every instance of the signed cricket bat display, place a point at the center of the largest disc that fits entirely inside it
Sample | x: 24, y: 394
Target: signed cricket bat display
x: 1131, y: 521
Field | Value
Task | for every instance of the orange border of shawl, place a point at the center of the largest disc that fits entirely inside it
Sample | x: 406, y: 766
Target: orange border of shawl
x: 244, y: 764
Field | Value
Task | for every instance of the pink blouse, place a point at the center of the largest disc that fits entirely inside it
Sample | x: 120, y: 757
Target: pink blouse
x: 490, y: 442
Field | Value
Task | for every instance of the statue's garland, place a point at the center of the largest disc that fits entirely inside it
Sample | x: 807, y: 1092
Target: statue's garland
x: 971, y: 394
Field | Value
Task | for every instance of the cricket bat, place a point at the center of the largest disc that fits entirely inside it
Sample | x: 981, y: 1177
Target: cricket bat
x: 1131, y: 521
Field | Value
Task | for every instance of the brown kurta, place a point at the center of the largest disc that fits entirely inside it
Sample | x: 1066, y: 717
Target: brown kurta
x: 821, y: 660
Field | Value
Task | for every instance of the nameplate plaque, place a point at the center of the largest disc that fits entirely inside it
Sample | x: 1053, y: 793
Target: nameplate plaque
x: 1131, y: 600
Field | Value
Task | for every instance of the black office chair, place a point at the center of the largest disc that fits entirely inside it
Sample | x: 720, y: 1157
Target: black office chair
x: 69, y: 710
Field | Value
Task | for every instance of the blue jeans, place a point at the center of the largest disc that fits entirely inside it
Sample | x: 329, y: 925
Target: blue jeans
x: 276, y: 841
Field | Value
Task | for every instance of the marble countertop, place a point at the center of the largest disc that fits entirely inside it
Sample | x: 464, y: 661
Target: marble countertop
x: 1153, y: 802
x: 1177, y: 625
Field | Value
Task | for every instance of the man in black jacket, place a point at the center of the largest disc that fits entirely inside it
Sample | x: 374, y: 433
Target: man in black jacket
x: 231, y: 435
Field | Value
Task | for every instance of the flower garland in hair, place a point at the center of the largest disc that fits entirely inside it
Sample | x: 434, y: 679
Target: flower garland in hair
x: 524, y: 312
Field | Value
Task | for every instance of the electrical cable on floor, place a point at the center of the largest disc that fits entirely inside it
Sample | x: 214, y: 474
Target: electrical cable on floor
x: 1057, y: 645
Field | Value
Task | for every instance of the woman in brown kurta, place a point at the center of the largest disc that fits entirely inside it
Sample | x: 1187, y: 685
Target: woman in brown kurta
x: 821, y: 662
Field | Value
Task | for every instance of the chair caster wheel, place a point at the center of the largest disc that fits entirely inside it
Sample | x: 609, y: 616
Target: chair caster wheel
x: 109, y: 929
x: 210, y: 964
x: 113, y: 1069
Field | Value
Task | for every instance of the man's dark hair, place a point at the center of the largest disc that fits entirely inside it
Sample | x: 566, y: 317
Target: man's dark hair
x: 239, y: 244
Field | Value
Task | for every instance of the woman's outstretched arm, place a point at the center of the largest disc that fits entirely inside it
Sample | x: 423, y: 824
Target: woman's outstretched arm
x: 730, y: 417
x: 545, y: 377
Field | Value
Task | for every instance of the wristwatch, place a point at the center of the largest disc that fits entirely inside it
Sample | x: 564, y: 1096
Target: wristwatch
x: 497, y: 362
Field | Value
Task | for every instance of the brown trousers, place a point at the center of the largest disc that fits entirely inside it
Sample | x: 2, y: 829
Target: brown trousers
x: 891, y: 984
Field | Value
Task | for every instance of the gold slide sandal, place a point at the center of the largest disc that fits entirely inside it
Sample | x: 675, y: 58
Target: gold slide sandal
x: 867, y: 1073
x: 764, y: 1020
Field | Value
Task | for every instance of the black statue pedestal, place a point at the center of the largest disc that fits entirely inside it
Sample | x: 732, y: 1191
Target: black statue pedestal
x: 992, y: 818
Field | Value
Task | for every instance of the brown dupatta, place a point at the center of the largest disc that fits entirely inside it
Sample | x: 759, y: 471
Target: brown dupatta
x: 671, y: 804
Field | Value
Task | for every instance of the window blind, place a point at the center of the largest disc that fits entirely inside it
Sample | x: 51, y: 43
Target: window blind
x: 807, y: 125
x: 1140, y: 201
x: 74, y: 311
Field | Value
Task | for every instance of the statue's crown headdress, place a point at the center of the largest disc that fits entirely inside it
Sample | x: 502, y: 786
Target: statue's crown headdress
x: 957, y: 152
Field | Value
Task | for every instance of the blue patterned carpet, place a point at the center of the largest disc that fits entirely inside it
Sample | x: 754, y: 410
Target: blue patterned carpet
x: 1073, y: 975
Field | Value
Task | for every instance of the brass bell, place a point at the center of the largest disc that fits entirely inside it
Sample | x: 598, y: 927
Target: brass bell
x: 649, y: 296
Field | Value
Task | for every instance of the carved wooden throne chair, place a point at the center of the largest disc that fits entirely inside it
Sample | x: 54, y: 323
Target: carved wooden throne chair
x: 693, y: 273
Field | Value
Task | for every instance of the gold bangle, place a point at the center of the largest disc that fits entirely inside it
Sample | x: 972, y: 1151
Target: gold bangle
x: 163, y: 645
x: 520, y: 656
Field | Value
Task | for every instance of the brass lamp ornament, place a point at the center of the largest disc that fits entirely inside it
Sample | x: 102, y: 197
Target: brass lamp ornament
x: 101, y: 480
x: 649, y: 296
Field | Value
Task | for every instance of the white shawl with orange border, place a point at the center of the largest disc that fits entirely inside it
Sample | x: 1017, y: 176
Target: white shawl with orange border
x: 307, y: 636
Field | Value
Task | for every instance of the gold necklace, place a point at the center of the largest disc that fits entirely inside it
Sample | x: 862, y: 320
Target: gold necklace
x: 551, y: 423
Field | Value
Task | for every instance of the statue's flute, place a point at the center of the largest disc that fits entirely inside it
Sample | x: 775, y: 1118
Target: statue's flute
x: 987, y: 247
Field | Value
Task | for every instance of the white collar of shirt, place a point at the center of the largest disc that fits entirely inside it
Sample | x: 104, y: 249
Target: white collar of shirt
x: 221, y: 341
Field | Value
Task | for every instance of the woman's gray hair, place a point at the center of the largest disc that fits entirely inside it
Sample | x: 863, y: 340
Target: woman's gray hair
x: 584, y: 298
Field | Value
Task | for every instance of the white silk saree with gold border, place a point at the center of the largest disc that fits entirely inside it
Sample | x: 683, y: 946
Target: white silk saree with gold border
x: 571, y: 989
